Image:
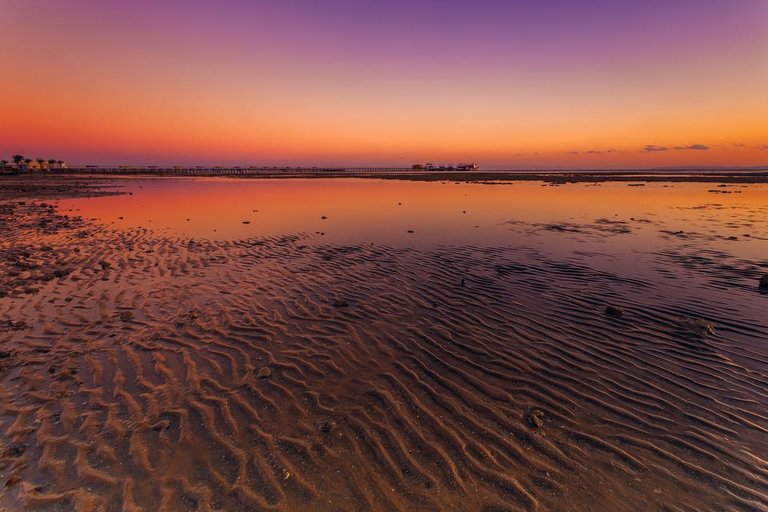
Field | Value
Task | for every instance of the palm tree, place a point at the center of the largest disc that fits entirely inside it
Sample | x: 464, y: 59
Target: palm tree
x: 51, y: 163
x: 17, y: 159
x: 27, y: 161
x: 3, y: 163
x: 40, y: 162
x: 60, y: 163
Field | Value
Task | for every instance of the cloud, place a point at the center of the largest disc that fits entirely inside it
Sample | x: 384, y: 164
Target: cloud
x: 651, y: 148
x: 592, y: 152
x: 697, y: 147
x: 762, y: 146
x: 738, y: 144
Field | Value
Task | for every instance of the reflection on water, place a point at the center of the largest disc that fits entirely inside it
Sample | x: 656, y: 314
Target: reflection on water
x: 382, y: 211
x: 704, y: 231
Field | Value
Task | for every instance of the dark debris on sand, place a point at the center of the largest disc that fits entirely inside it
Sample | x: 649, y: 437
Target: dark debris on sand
x: 326, y: 426
x: 535, y: 418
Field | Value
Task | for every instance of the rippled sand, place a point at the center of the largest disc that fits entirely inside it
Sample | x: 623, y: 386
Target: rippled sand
x: 146, y: 371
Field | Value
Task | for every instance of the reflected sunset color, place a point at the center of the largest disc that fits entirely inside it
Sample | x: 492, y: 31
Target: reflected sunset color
x: 351, y: 211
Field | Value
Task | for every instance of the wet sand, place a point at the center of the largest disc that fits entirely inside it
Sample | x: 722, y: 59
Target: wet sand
x: 148, y: 371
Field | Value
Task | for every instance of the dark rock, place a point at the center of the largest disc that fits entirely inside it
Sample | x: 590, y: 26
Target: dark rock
x: 341, y: 303
x: 694, y: 327
x: 264, y: 372
x: 327, y: 426
x: 105, y: 264
x: 535, y: 418
x: 16, y: 450
x: 613, y: 311
x: 4, y: 354
x: 126, y: 316
x: 61, y: 272
x: 764, y: 282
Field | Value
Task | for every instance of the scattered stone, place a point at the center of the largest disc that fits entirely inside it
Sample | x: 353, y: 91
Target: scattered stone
x: 410, y: 231
x: 326, y: 426
x: 264, y: 372
x: 764, y: 282
x: 61, y: 272
x: 18, y: 325
x: 535, y: 418
x: 4, y: 354
x: 105, y: 264
x: 341, y: 303
x: 126, y: 316
x: 695, y: 327
x: 323, y: 217
x: 16, y: 450
x: 613, y: 311
x: 246, y: 222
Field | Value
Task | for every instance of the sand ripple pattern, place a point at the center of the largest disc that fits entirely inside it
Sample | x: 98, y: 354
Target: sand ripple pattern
x: 160, y: 374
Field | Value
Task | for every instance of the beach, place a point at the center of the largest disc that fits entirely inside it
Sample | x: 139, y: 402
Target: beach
x: 378, y: 350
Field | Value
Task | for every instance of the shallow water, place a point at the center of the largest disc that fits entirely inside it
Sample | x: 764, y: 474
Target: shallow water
x: 384, y: 211
x: 340, y: 364
x: 631, y: 229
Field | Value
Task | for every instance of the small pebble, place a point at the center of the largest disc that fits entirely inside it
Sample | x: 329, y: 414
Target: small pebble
x: 327, y: 426
x: 535, y: 418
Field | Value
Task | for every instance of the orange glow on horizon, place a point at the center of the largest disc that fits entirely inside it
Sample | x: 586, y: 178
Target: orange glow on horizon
x: 97, y: 94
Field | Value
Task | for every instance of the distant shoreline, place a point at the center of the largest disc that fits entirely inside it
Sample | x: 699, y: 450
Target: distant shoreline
x: 491, y: 176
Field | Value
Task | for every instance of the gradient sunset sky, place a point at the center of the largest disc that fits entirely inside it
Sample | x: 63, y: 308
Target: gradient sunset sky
x: 505, y: 83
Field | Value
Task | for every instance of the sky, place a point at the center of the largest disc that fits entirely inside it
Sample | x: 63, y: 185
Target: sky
x: 505, y: 83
